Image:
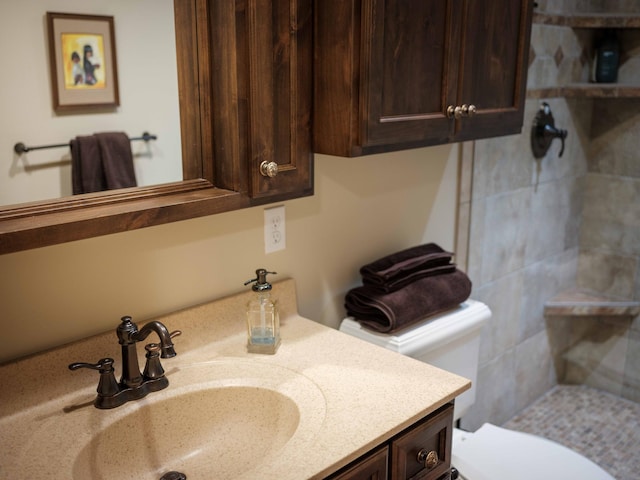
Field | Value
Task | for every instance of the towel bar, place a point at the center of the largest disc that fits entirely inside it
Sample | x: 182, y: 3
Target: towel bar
x: 21, y: 148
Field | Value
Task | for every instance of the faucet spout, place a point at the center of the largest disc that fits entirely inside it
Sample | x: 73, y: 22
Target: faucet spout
x: 166, y: 345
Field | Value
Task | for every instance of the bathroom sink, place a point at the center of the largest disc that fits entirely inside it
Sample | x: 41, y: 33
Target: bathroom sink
x: 229, y: 418
x: 237, y: 427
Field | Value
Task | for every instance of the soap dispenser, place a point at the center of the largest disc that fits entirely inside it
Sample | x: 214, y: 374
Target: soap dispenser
x: 263, y: 321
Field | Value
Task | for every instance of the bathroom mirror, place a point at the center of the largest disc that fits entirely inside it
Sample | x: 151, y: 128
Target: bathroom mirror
x: 31, y: 225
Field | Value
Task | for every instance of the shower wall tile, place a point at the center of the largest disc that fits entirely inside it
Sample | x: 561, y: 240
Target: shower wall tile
x: 613, y: 197
x: 499, y: 165
x: 615, y: 202
x: 531, y: 384
x: 506, y: 232
x: 555, y: 219
x: 496, y: 401
x: 599, y: 358
x: 541, y: 281
x: 607, y: 273
x: 500, y: 333
x: 609, y: 235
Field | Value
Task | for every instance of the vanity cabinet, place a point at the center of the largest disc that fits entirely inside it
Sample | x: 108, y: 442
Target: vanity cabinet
x: 393, y: 74
x: 422, y: 451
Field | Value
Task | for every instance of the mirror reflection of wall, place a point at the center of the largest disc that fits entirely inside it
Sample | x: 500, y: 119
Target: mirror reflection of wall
x: 147, y: 78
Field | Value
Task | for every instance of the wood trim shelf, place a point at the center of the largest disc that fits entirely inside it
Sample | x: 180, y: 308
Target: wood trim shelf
x: 593, y: 20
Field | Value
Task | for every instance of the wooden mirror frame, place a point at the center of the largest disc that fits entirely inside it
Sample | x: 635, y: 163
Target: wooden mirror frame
x: 38, y: 224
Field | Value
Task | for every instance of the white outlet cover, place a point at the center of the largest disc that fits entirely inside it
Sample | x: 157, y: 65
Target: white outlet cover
x: 275, y: 238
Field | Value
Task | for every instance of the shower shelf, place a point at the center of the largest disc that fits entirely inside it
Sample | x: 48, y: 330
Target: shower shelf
x: 577, y: 302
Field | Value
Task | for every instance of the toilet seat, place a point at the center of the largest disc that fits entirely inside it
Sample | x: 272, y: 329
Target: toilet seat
x: 496, y: 453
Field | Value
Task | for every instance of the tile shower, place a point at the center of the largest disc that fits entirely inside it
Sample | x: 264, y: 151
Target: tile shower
x: 536, y: 228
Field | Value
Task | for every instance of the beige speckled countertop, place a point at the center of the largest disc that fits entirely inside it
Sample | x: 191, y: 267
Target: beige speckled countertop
x: 351, y: 397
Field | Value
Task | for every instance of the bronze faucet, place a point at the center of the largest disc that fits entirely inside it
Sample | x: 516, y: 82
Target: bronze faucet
x: 133, y: 384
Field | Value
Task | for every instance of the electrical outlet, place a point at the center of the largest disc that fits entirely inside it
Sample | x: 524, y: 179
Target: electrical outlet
x: 275, y: 238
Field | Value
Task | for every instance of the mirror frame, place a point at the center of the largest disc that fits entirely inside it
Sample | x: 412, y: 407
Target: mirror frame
x: 39, y: 224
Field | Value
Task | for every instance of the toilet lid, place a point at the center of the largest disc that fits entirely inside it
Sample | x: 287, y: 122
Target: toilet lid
x: 497, y: 453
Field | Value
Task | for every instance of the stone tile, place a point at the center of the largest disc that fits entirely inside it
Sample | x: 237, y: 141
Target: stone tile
x: 613, y: 199
x: 610, y: 236
x: 506, y: 231
x: 542, y: 281
x: 500, y: 333
x: 555, y: 218
x: 607, y: 273
x: 602, y: 427
x: 495, y: 393
x: 599, y: 359
x: 499, y: 165
x: 533, y: 382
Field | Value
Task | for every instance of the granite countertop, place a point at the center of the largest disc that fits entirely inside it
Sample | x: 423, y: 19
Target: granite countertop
x: 351, y: 397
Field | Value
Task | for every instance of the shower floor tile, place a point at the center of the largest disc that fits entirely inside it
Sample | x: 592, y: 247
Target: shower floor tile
x: 601, y: 426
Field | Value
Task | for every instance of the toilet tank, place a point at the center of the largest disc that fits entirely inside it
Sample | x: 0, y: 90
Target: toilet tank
x: 450, y: 341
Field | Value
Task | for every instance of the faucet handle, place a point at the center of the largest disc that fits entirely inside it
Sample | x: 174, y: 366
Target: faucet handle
x: 153, y: 368
x: 104, y: 365
x: 107, y: 386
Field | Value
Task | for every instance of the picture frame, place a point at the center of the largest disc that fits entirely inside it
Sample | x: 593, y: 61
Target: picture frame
x: 82, y: 57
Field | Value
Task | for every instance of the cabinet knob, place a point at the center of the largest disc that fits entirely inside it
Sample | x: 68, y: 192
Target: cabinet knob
x: 461, y: 111
x: 269, y: 169
x: 428, y: 458
x: 454, y: 112
x: 468, y: 110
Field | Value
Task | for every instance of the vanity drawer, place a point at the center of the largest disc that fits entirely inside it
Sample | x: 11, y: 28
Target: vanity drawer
x: 372, y: 466
x: 424, y: 451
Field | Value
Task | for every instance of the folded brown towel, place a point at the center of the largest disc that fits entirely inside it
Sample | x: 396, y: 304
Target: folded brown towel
x: 399, y: 269
x: 101, y: 162
x: 389, y: 312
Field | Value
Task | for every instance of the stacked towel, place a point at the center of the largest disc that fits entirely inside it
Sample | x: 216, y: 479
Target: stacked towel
x: 101, y: 162
x: 406, y: 287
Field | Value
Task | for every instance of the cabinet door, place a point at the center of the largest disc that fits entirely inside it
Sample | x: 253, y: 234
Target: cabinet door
x: 280, y: 96
x: 493, y: 58
x: 409, y: 66
x: 371, y: 467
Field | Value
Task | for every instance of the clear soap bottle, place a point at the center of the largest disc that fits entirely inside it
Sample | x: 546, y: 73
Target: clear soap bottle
x: 263, y: 322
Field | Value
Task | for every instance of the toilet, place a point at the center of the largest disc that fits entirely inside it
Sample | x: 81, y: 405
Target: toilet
x: 451, y: 341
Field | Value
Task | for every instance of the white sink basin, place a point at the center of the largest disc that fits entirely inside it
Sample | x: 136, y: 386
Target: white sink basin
x: 220, y: 419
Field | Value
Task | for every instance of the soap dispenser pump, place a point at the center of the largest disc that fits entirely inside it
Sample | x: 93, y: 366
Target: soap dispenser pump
x: 263, y: 322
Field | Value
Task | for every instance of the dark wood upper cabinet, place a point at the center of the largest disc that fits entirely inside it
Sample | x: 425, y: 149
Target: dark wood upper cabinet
x: 394, y: 74
x: 261, y: 97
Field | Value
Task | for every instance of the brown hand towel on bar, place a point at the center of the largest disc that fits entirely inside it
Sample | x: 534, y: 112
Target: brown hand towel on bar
x: 86, y: 166
x: 117, y: 159
x: 389, y: 312
x: 399, y: 269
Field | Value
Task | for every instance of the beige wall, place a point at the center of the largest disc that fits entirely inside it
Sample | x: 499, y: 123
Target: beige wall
x: 363, y: 208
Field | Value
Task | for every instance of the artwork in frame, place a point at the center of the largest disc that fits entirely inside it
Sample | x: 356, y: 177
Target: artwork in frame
x: 82, y: 55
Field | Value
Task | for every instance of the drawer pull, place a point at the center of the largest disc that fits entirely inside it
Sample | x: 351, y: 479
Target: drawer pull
x: 429, y: 458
